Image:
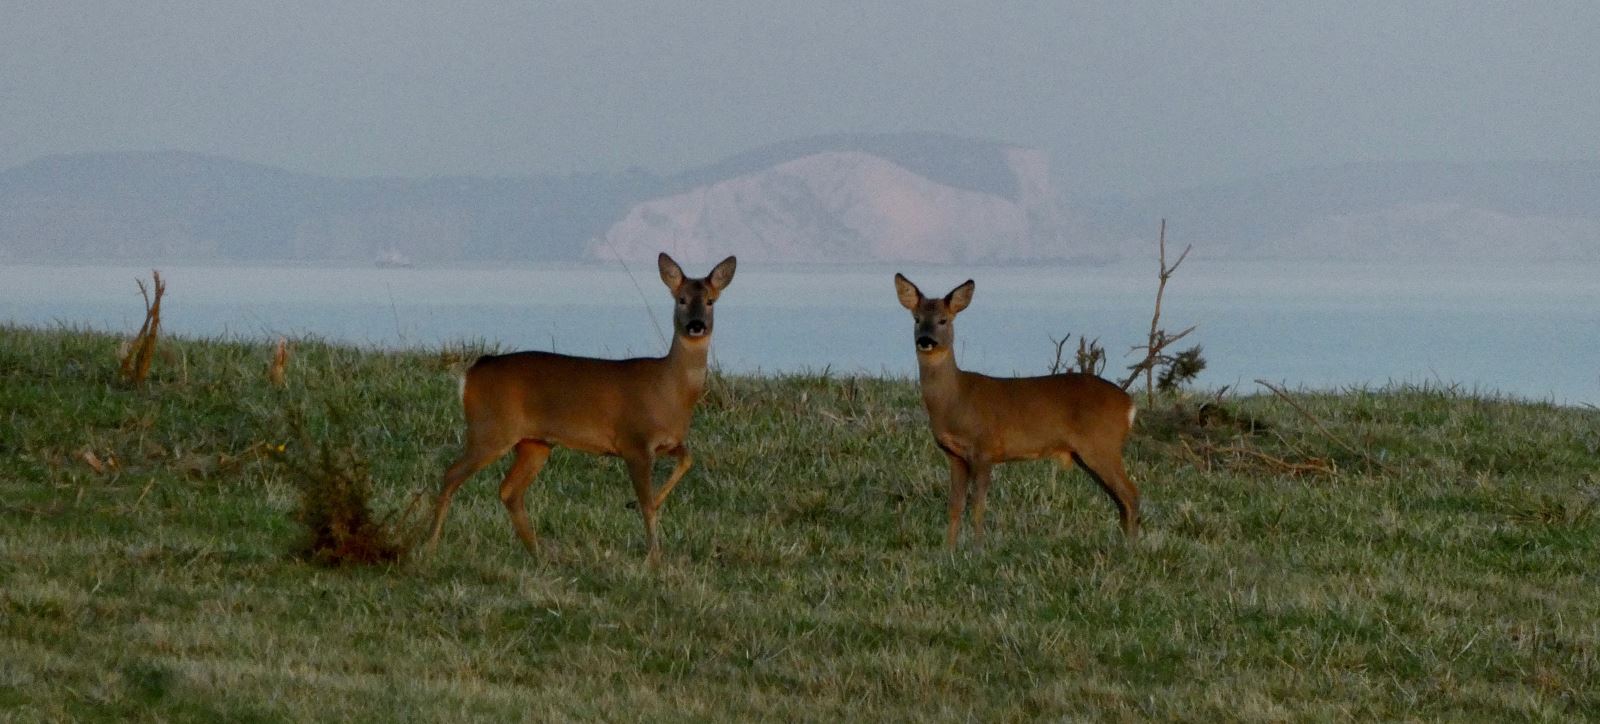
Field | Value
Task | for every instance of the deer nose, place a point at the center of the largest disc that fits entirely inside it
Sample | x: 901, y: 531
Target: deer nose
x: 695, y: 328
x: 925, y: 343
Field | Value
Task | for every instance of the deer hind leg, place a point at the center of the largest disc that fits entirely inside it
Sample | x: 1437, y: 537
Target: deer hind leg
x: 640, y: 470
x: 980, y: 493
x: 477, y: 456
x: 531, y: 457
x: 1106, y: 469
x: 959, y: 472
x: 684, y: 461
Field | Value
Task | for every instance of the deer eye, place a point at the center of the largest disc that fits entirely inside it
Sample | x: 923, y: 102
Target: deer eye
x: 711, y: 302
x: 683, y: 300
x: 942, y: 321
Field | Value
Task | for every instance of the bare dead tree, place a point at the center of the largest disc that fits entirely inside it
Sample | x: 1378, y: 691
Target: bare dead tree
x: 136, y: 363
x: 1159, y: 339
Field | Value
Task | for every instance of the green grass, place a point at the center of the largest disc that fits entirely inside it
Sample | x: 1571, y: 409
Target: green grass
x: 1447, y: 570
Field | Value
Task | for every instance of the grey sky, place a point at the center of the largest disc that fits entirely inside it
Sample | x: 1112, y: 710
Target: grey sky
x: 1130, y: 97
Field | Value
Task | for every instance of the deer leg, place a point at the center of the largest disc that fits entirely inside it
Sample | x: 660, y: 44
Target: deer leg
x: 980, y: 493
x: 531, y: 456
x: 639, y: 468
x: 684, y: 461
x: 1107, y: 470
x: 959, y: 472
x: 473, y: 459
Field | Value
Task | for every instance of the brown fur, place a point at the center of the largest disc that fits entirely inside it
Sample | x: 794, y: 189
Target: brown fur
x: 980, y: 421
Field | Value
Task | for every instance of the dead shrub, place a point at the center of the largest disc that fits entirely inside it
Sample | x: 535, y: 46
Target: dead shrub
x: 335, y: 487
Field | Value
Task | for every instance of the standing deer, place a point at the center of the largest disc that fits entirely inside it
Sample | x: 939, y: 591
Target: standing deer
x: 635, y: 409
x: 979, y: 421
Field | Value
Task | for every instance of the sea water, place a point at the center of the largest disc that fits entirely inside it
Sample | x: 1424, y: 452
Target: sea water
x: 1532, y: 331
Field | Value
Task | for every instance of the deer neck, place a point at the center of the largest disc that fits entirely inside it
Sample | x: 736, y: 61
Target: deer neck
x: 940, y: 380
x: 686, y: 366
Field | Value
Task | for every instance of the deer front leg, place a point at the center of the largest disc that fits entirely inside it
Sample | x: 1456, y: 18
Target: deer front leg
x: 980, y: 494
x: 684, y: 461
x: 959, y: 472
x: 639, y: 468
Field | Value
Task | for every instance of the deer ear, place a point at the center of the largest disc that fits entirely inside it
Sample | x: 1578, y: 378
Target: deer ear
x: 960, y: 297
x: 722, y: 274
x: 910, y: 295
x: 671, y: 273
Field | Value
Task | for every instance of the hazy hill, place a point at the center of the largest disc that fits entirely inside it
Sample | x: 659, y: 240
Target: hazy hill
x: 111, y: 206
x: 1525, y: 210
x: 920, y: 198
x: 962, y: 163
x: 847, y: 198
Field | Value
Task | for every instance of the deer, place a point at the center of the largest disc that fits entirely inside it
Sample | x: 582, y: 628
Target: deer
x: 636, y: 409
x: 980, y: 421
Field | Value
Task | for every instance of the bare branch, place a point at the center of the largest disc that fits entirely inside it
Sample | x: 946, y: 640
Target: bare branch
x: 1158, y: 338
x: 1061, y: 344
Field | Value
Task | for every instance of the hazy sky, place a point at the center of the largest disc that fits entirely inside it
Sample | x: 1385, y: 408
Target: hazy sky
x: 1128, y: 96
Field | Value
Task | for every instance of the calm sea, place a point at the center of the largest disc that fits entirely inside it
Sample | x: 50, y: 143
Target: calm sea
x: 1530, y: 331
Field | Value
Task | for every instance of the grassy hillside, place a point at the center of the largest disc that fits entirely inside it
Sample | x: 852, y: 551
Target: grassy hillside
x: 1408, y: 554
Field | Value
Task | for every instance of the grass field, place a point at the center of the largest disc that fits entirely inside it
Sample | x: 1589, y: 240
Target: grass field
x: 1435, y: 557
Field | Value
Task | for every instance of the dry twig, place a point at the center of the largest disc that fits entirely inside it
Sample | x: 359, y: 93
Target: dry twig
x: 1238, y: 455
x: 1331, y: 435
x: 1056, y: 365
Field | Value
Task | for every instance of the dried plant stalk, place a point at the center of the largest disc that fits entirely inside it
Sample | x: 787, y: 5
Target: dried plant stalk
x: 136, y: 363
x: 279, y: 364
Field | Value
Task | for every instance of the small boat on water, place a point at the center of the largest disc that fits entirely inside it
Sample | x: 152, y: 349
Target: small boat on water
x: 391, y: 258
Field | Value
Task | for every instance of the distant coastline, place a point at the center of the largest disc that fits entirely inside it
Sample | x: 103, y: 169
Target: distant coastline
x: 894, y: 198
